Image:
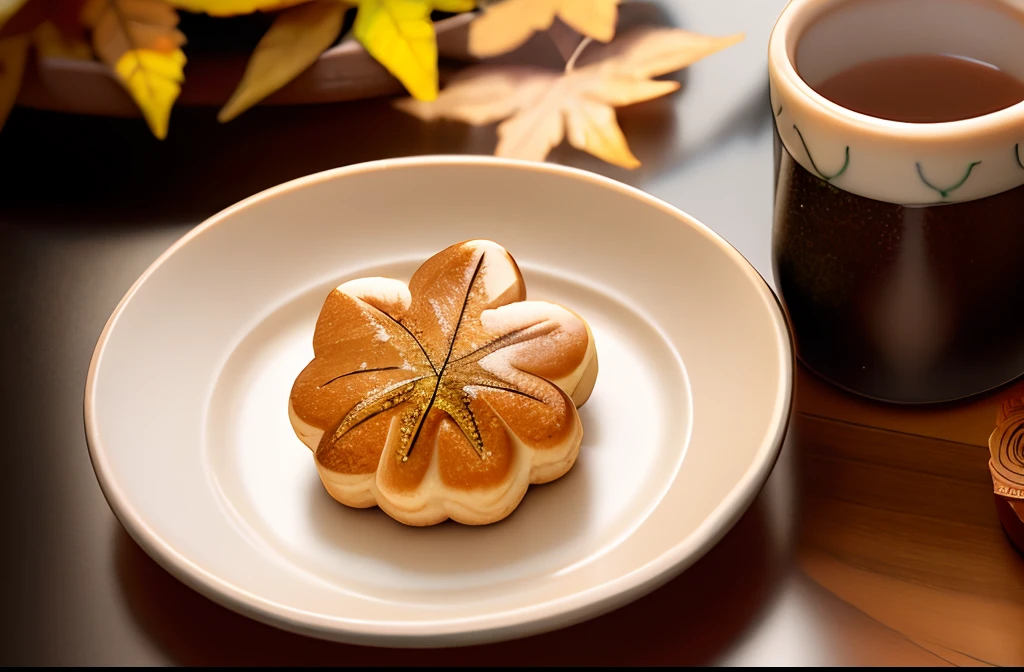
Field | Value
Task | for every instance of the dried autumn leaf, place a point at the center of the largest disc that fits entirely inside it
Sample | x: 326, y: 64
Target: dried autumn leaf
x: 13, y: 51
x: 66, y: 16
x: 139, y: 39
x: 50, y: 42
x: 541, y: 107
x: 9, y: 8
x: 447, y: 396
x: 26, y: 17
x: 292, y: 43
x: 20, y: 17
x: 400, y: 36
x: 233, y: 7
x: 507, y: 25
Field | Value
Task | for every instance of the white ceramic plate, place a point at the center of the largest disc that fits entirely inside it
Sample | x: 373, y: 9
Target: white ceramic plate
x: 187, y: 422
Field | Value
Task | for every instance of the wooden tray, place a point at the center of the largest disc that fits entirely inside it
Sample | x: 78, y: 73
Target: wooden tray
x: 343, y: 72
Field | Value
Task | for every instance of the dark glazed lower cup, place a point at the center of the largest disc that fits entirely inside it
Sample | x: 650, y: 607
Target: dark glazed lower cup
x: 898, y: 247
x: 902, y: 304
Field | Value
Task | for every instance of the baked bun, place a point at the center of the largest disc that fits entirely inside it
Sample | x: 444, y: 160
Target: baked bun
x: 446, y: 397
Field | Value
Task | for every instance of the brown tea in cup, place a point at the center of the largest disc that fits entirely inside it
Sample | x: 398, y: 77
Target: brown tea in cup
x: 923, y: 88
x: 899, y: 205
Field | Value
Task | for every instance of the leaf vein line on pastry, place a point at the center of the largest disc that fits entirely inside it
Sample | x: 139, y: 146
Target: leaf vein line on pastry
x: 451, y: 346
x: 388, y: 399
x: 457, y: 408
x: 507, y: 339
x: 352, y: 373
x: 412, y: 336
x: 506, y: 389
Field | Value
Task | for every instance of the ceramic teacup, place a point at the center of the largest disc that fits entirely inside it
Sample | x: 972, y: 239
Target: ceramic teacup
x: 898, y: 247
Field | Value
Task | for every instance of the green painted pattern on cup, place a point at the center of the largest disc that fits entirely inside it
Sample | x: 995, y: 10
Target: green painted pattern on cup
x: 944, y: 192
x: 827, y: 178
x: 948, y: 190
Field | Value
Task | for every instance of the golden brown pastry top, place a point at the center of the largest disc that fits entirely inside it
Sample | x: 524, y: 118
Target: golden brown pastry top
x: 452, y: 362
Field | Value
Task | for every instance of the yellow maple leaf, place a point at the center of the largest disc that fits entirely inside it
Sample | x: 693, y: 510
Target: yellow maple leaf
x: 507, y: 25
x: 542, y: 107
x: 140, y: 40
x: 294, y: 41
x: 13, y: 51
x: 233, y: 7
x: 400, y: 36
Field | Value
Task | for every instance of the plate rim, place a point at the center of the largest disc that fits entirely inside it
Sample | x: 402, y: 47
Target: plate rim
x: 540, y: 617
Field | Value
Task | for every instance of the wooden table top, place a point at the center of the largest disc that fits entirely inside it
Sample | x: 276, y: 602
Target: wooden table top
x: 897, y: 553
x: 898, y: 520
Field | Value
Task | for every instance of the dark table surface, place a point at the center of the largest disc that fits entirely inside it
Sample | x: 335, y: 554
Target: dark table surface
x: 824, y: 569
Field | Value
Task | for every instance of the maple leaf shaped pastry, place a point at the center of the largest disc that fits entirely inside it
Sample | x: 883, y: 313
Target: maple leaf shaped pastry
x: 446, y: 397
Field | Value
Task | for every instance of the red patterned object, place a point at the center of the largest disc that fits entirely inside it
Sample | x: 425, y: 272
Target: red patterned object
x: 1006, y: 464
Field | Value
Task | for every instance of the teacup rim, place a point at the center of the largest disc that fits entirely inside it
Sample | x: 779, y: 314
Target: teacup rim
x: 797, y: 16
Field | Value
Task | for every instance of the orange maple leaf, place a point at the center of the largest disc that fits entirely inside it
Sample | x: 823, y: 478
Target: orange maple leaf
x: 542, y: 107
